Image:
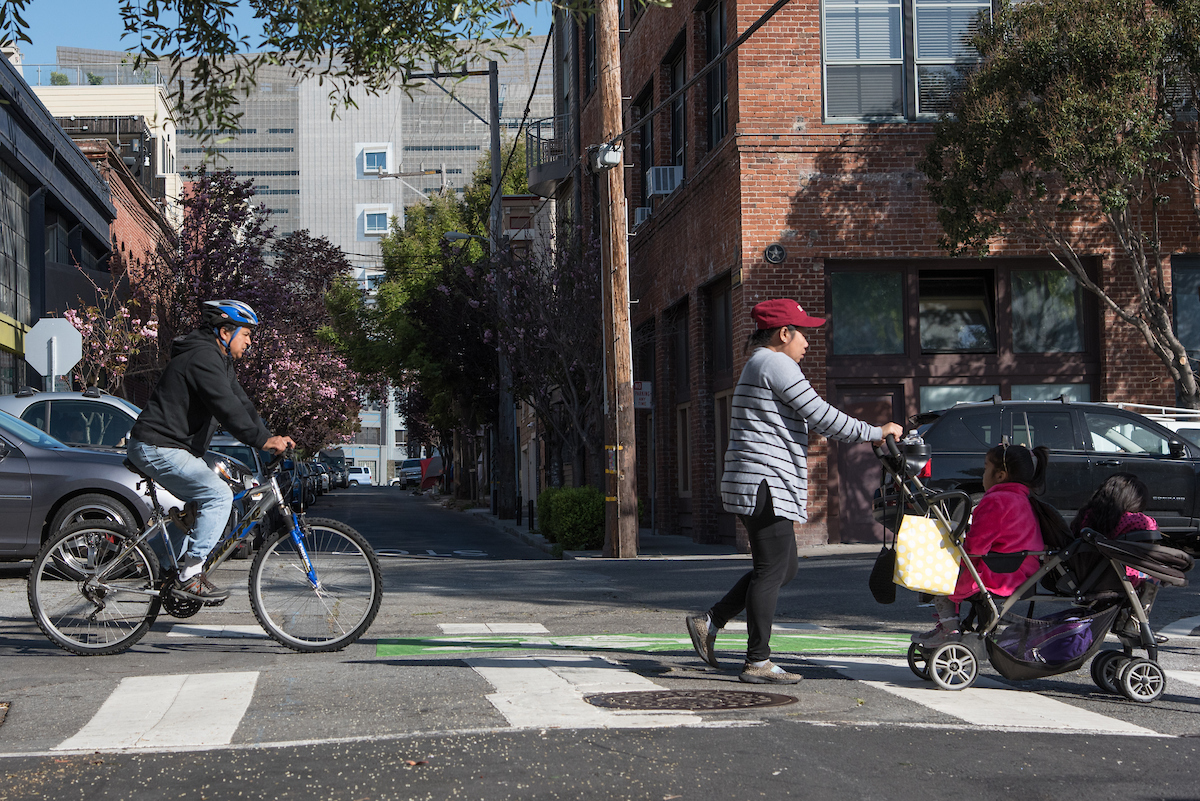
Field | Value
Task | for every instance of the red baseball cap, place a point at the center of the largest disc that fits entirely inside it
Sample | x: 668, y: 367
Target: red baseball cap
x: 780, y: 312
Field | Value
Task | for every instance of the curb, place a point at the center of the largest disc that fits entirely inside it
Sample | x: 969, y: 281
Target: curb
x: 523, y: 533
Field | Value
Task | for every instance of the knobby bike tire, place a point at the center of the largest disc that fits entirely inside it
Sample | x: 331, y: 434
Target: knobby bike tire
x: 93, y: 619
x: 300, y: 617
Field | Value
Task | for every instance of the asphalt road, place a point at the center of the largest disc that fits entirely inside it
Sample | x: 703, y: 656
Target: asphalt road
x: 471, y: 682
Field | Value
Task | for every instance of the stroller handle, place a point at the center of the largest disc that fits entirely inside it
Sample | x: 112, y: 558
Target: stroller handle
x: 930, y: 500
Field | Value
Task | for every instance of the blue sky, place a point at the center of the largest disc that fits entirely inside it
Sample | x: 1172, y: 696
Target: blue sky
x: 97, y: 24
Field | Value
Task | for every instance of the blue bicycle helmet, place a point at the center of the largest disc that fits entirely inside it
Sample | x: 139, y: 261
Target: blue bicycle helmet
x: 225, y: 312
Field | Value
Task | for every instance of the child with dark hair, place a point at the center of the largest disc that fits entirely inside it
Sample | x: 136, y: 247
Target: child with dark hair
x: 1002, y: 522
x: 1115, y: 509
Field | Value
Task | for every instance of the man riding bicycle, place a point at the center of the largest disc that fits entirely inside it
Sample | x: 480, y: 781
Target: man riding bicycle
x: 197, y: 390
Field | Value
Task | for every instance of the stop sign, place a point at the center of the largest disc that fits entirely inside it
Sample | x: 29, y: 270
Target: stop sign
x: 53, y: 339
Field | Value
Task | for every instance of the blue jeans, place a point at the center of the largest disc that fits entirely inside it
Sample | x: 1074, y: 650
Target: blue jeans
x: 188, y: 478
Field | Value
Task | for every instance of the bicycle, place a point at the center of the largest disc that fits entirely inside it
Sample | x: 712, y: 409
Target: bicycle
x: 96, y: 588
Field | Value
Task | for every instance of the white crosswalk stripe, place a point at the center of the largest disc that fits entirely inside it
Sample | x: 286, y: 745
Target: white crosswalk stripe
x: 988, y: 704
x: 493, y: 628
x: 216, y: 632
x: 168, y: 711
x: 548, y: 692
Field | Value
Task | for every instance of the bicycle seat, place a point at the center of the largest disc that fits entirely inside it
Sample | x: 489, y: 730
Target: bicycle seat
x: 134, y: 469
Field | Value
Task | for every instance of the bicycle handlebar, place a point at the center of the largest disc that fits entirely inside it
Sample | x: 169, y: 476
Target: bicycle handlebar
x: 273, y: 465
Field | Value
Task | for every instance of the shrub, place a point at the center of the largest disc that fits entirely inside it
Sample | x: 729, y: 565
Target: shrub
x: 59, y: 79
x: 577, y: 515
x: 545, y: 504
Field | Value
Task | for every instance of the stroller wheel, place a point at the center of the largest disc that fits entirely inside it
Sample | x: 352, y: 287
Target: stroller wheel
x: 1105, y: 667
x: 953, y: 666
x: 1141, y: 680
x: 917, y: 662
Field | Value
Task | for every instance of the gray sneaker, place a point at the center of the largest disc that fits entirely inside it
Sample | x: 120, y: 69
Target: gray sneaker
x: 702, y: 641
x: 769, y: 673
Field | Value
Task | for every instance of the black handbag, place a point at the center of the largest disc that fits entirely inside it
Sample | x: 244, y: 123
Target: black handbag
x: 881, y: 583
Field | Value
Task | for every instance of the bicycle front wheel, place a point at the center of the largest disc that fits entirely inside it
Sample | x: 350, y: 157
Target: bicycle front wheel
x: 328, y: 615
x: 92, y: 593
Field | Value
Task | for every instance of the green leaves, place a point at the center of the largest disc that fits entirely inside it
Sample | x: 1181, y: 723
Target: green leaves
x: 371, y: 44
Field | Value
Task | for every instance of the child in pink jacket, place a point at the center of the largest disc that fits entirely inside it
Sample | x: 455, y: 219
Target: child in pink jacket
x: 1003, y: 522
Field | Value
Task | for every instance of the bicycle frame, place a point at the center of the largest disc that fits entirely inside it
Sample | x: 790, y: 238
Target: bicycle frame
x: 266, y: 497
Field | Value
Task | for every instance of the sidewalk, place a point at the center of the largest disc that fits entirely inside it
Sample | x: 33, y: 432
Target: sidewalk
x: 664, y: 546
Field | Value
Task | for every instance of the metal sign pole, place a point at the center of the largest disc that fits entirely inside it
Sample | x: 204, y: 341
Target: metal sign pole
x: 52, y: 360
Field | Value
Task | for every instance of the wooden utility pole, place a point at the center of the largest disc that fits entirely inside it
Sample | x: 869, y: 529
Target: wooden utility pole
x: 620, y: 509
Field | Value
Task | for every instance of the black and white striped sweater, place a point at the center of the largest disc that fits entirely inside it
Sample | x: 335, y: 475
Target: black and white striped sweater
x: 774, y: 407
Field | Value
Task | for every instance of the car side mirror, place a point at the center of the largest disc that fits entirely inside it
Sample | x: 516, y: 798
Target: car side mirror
x: 1178, y: 449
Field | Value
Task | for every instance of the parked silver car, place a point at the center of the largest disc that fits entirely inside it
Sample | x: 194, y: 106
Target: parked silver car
x: 89, y: 419
x: 45, y: 485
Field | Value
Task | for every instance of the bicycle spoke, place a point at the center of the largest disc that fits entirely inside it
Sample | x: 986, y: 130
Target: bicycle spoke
x: 336, y: 611
x: 89, y: 589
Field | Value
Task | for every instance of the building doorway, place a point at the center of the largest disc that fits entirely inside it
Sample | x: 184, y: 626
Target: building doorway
x: 851, y: 490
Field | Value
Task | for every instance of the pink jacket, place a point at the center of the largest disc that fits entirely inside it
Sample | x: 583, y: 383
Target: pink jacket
x: 1003, y: 522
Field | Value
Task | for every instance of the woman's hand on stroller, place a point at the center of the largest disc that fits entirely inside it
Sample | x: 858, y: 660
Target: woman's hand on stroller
x: 894, y: 430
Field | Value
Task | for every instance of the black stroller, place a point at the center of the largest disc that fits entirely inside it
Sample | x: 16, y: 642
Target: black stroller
x: 1084, y: 577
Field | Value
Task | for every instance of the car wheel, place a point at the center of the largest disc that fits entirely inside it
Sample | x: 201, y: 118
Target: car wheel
x: 93, y: 506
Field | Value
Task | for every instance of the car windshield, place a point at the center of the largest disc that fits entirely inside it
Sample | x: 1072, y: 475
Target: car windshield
x: 23, y: 431
x: 242, y: 453
x: 131, y: 407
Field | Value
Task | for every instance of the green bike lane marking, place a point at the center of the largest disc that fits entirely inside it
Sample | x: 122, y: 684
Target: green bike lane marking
x: 781, y: 642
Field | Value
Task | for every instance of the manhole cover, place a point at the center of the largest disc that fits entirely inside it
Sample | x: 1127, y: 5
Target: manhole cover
x: 691, y: 700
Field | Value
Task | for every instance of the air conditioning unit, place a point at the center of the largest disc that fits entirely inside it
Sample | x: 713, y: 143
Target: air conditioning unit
x: 640, y: 215
x: 664, y: 180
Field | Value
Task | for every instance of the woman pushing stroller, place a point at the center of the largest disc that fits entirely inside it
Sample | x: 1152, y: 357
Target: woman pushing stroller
x: 1003, y: 522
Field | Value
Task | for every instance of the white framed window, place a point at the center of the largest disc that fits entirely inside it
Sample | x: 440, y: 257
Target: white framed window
x: 895, y: 59
x: 375, y: 161
x: 376, y: 222
x: 373, y: 220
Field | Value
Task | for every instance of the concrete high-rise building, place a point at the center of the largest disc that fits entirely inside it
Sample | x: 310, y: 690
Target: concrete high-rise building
x: 344, y: 176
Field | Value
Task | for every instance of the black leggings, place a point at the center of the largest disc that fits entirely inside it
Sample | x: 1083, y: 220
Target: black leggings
x: 773, y: 551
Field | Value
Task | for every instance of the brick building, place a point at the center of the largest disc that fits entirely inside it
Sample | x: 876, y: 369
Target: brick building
x: 792, y: 171
x: 140, y: 228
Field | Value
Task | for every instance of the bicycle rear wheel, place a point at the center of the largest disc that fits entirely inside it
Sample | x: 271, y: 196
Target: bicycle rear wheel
x: 87, y: 594
x: 331, y: 615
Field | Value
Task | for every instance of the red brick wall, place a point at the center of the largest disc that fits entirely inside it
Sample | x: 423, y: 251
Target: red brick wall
x: 139, y: 229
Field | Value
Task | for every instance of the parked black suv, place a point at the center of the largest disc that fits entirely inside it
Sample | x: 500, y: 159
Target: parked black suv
x: 1088, y: 442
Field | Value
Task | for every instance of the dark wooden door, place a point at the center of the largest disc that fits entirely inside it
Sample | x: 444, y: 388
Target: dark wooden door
x: 857, y: 469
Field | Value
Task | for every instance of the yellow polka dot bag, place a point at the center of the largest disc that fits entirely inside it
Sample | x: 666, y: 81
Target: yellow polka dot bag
x: 926, y: 560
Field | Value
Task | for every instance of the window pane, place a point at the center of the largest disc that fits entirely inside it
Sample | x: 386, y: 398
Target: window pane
x: 376, y: 161
x: 936, y: 87
x: 1052, y: 429
x: 934, y: 398
x: 956, y: 313
x: 944, y: 26
x: 1110, y: 433
x: 967, y: 432
x: 865, y: 91
x: 1047, y: 310
x: 83, y: 423
x: 377, y: 222
x: 1074, y: 392
x: 868, y: 313
x: 868, y: 30
x: 1185, y: 285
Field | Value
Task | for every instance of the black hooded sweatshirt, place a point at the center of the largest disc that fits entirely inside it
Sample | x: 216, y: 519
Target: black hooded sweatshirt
x: 197, y: 390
